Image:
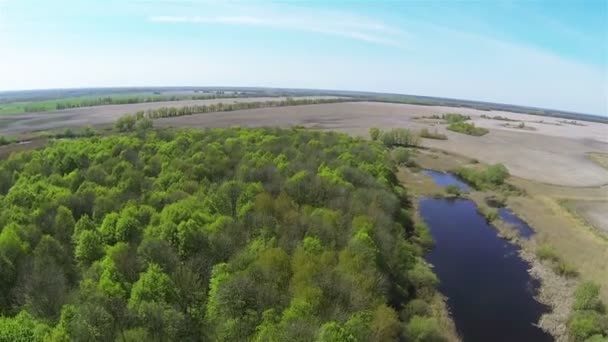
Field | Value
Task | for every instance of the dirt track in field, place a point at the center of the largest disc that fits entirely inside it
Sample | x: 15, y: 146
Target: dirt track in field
x: 553, y: 153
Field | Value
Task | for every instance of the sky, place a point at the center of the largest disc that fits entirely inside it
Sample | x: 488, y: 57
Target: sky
x: 550, y: 54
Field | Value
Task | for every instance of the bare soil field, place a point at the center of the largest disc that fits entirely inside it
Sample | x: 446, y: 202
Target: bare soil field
x: 554, y: 153
x: 551, y: 154
x: 78, y: 117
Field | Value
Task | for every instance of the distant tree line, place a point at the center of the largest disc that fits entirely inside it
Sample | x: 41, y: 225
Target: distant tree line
x: 167, y: 112
x: 112, y: 100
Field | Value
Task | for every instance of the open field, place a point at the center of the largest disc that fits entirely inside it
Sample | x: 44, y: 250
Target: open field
x: 554, y: 154
x: 600, y: 159
x: 78, y: 117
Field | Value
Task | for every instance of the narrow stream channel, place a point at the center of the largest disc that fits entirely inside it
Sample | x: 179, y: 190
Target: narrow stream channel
x: 489, y: 290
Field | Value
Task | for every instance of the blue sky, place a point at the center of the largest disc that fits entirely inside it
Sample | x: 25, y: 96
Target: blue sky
x: 542, y: 53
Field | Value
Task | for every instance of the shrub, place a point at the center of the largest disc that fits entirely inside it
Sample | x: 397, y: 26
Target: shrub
x: 416, y: 307
x: 546, y: 252
x: 374, y: 133
x: 452, y: 190
x: 467, y: 128
x: 424, y: 133
x: 125, y: 123
x: 400, y: 137
x: 597, y: 338
x: 490, y: 214
x: 584, y: 324
x: 559, y: 266
x: 496, y: 174
x: 565, y: 269
x: 587, y: 297
x: 401, y: 155
x: 455, y: 117
x: 4, y: 141
x: 423, y: 235
x: 423, y: 329
x: 496, y: 201
x: 487, y: 177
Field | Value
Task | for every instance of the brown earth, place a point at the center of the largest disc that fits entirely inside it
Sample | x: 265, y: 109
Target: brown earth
x: 555, y: 153
x: 78, y: 117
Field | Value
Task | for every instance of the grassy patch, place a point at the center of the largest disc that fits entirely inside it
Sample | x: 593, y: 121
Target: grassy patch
x: 547, y: 253
x: 455, y: 117
x: 487, y: 177
x: 599, y: 158
x: 588, y: 321
x: 467, y: 128
x: 490, y: 214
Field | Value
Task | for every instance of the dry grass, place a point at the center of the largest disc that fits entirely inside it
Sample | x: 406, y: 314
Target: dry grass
x: 575, y: 243
x: 599, y: 158
x: 446, y: 323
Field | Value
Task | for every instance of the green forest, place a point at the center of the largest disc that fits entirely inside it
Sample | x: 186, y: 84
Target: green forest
x: 216, y: 235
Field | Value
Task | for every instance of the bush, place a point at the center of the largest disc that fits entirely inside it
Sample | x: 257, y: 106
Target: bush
x: 490, y: 214
x: 559, y: 266
x: 467, y: 128
x: 125, y: 123
x: 401, y: 155
x: 421, y: 329
x: 484, y: 177
x: 416, y: 307
x: 400, y: 137
x: 452, y: 190
x: 424, y: 133
x: 455, y: 117
x: 4, y: 141
x: 584, y: 324
x: 565, y: 269
x: 546, y: 252
x: 423, y: 235
x: 587, y: 297
x: 496, y: 201
x: 374, y: 133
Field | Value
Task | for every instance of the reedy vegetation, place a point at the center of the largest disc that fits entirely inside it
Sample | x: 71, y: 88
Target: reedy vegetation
x: 228, y: 234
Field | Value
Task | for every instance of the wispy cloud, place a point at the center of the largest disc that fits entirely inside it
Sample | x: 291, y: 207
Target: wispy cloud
x: 361, y: 30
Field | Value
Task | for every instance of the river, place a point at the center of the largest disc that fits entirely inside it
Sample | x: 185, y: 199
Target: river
x: 489, y: 291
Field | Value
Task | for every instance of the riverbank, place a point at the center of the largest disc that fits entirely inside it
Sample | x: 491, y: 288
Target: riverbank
x: 555, y: 291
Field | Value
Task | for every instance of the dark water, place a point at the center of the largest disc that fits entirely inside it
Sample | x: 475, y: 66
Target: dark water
x: 489, y: 290
x: 524, y: 229
x: 444, y: 179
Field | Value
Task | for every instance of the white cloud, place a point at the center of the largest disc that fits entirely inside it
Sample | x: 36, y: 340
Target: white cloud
x: 352, y: 28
